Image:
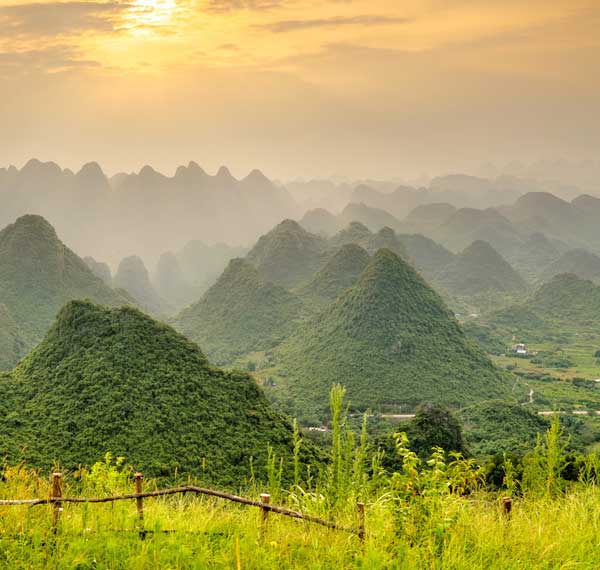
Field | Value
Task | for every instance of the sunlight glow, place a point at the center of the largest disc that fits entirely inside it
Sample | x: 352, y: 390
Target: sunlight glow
x: 147, y: 14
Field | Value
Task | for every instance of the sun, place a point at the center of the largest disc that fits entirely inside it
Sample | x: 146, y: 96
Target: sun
x: 145, y: 14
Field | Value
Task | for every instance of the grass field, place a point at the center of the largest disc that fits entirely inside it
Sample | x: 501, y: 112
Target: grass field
x: 440, y: 513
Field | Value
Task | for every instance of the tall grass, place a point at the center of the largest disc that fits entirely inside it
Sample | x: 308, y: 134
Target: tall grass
x: 430, y: 514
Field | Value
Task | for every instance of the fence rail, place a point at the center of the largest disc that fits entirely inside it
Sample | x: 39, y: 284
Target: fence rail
x: 56, y: 500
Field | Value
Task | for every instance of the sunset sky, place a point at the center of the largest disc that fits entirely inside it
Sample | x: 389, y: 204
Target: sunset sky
x: 361, y: 88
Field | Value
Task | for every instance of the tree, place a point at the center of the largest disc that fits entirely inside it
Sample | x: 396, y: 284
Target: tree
x: 435, y: 425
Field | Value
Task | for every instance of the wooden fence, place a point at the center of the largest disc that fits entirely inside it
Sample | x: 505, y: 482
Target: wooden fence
x: 56, y: 499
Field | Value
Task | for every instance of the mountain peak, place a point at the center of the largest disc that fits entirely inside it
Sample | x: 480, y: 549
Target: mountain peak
x: 256, y: 176
x: 162, y: 377
x: 288, y: 254
x: 33, y: 224
x: 224, y: 174
x: 340, y: 272
x: 92, y: 169
x: 393, y: 341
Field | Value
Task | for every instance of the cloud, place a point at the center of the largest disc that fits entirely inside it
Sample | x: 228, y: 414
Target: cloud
x: 336, y: 22
x: 60, y: 18
x: 220, y: 6
x: 48, y: 60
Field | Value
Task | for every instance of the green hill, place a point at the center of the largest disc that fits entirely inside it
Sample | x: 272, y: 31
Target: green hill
x: 340, y: 273
x: 386, y: 238
x: 132, y: 276
x: 427, y: 256
x: 99, y: 269
x: 11, y: 344
x: 39, y: 274
x: 579, y: 262
x: 468, y: 225
x: 568, y: 298
x: 479, y: 269
x: 354, y: 232
x: 392, y: 342
x: 373, y: 218
x: 319, y: 221
x: 241, y: 313
x: 359, y: 234
x: 499, y: 427
x: 288, y: 255
x: 536, y: 254
x: 557, y: 309
x: 116, y: 380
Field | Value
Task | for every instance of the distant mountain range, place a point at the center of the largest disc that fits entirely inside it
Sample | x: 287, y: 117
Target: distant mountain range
x: 148, y: 213
x: 145, y: 212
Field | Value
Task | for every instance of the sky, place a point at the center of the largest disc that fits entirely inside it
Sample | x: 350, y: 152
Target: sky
x: 299, y: 88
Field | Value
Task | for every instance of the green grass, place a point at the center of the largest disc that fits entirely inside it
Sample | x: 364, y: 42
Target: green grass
x: 442, y: 513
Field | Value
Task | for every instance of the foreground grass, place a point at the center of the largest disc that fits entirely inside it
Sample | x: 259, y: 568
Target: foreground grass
x: 473, y: 534
x: 424, y: 514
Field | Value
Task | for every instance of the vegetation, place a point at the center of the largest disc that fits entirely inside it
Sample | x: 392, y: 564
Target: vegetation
x: 445, y: 511
x: 579, y: 262
x: 38, y: 275
x: 427, y: 256
x: 239, y: 314
x: 535, y: 254
x: 499, y: 427
x: 393, y: 341
x: 288, y: 255
x: 117, y: 380
x: 340, y: 273
x: 479, y: 269
x: 11, y: 345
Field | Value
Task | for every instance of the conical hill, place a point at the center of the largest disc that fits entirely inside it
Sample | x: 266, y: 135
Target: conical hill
x: 239, y: 314
x: 116, y: 380
x: 392, y: 342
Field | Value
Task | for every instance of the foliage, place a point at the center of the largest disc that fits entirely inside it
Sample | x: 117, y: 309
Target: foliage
x: 117, y: 380
x: 435, y: 426
x: 479, y: 269
x: 341, y: 272
x: 239, y: 314
x: 11, y: 343
x: 288, y: 255
x: 499, y: 427
x: 38, y: 275
x: 432, y: 512
x: 392, y: 341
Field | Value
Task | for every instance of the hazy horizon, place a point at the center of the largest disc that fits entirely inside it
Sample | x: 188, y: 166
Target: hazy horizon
x: 297, y: 88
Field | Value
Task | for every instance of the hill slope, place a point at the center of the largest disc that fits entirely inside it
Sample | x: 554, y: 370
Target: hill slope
x: 11, y: 344
x: 39, y: 274
x: 500, y: 427
x: 579, y: 262
x: 288, y: 255
x: 132, y: 276
x: 99, y: 269
x: 392, y: 342
x: 479, y: 269
x: 117, y: 380
x: 340, y: 273
x: 241, y: 313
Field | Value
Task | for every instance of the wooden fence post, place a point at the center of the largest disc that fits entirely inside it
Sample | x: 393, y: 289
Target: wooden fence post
x: 266, y: 499
x: 138, y: 477
x: 56, y: 493
x: 506, y: 506
x: 361, y: 521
